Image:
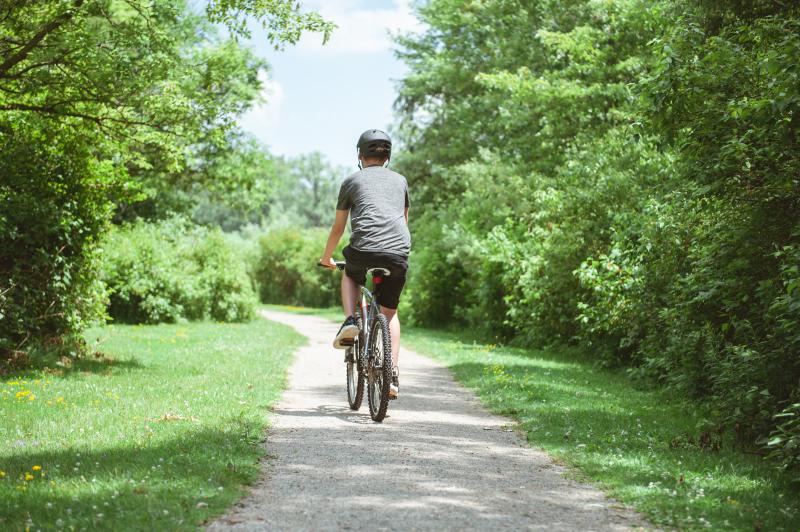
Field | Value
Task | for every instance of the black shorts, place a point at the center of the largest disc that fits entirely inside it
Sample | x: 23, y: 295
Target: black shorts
x: 388, y: 292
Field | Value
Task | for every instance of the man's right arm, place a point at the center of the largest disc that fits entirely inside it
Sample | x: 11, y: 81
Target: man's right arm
x: 408, y: 204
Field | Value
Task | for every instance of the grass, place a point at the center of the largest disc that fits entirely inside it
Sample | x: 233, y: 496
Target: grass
x: 644, y: 447
x: 160, y: 432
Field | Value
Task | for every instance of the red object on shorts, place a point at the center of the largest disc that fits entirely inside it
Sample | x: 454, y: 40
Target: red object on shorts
x: 377, y: 280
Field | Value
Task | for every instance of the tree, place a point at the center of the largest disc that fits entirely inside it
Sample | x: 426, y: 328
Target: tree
x: 621, y: 174
x: 307, y: 188
x: 523, y: 103
x: 100, y: 101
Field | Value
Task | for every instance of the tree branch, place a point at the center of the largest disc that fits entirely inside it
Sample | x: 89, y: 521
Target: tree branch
x: 46, y: 109
x: 40, y: 35
x: 9, y: 10
x: 57, y: 61
x: 99, y: 120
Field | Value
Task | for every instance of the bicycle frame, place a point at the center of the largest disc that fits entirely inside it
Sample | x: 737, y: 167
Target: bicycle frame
x: 369, y: 309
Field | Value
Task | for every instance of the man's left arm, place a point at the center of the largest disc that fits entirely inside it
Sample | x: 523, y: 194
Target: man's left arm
x: 337, y: 230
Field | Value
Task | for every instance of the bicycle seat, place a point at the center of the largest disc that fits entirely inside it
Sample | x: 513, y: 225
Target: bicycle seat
x: 378, y: 272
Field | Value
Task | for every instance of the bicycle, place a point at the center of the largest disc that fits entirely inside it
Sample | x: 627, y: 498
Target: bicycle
x: 369, y: 359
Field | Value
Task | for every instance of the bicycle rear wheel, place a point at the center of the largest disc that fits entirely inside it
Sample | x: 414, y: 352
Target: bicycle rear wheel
x: 355, y: 380
x: 379, y: 372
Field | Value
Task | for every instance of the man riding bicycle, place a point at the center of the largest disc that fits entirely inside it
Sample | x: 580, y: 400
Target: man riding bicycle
x: 376, y: 200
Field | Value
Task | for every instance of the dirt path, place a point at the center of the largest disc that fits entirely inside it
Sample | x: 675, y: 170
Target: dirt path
x: 439, y: 462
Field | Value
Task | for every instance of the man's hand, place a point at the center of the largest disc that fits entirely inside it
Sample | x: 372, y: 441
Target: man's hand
x: 327, y: 262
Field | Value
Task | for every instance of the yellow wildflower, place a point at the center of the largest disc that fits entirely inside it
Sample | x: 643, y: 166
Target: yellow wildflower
x: 28, y: 477
x: 37, y: 468
x: 2, y: 473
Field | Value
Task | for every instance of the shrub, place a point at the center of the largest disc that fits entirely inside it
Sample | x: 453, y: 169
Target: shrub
x: 696, y: 296
x: 286, y: 270
x: 171, y: 270
x: 437, y: 277
x: 54, y: 205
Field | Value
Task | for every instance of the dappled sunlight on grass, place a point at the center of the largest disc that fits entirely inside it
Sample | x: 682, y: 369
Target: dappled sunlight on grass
x: 160, y: 434
x: 647, y: 448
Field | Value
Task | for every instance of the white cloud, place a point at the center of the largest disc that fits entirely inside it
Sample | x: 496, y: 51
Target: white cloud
x: 264, y: 117
x: 360, y: 30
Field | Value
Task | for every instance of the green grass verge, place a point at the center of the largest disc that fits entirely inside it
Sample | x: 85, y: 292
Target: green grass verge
x: 160, y: 432
x: 640, y: 445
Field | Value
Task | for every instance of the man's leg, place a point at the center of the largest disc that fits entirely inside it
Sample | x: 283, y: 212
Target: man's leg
x: 349, y: 295
x: 394, y: 331
x: 349, y: 329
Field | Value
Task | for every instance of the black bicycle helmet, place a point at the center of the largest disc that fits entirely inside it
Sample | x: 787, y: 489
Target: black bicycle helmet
x: 374, y: 143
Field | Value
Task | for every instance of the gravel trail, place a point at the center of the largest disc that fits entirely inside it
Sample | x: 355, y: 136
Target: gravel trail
x: 439, y: 461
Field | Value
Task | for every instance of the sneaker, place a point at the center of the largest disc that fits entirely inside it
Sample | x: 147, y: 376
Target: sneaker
x: 346, y: 334
x: 394, y: 387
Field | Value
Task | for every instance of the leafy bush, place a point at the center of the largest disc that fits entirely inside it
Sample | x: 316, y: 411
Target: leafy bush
x: 713, y: 300
x: 286, y: 270
x: 54, y: 205
x: 171, y: 270
x: 438, y: 279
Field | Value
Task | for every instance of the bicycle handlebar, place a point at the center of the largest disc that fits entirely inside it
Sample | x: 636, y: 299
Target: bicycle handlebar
x: 339, y: 264
x: 376, y: 271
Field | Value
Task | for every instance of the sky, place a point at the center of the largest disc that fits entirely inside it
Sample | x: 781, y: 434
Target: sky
x: 323, y: 97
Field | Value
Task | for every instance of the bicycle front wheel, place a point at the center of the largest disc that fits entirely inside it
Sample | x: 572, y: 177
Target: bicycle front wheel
x: 355, y: 381
x: 380, y: 368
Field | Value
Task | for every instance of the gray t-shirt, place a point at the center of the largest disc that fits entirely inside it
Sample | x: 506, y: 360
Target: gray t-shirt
x: 376, y: 198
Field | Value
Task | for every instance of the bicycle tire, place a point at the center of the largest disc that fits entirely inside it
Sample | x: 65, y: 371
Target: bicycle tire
x: 355, y: 380
x: 379, y: 378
